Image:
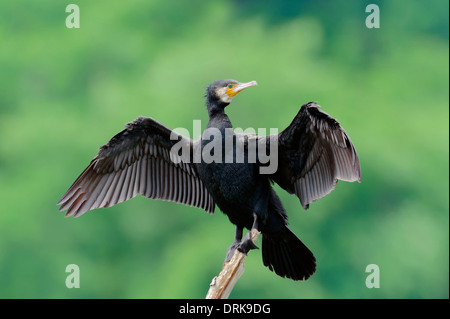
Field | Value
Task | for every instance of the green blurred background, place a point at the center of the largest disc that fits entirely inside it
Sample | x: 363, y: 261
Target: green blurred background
x: 64, y: 92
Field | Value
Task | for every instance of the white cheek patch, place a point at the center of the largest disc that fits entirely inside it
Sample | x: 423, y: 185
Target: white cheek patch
x: 223, y: 96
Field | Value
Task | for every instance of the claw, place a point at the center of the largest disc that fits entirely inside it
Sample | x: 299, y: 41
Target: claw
x: 247, y: 244
x: 242, y: 245
x: 230, y: 251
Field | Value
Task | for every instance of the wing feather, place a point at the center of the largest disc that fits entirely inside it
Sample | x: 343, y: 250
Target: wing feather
x: 314, y: 152
x: 137, y: 160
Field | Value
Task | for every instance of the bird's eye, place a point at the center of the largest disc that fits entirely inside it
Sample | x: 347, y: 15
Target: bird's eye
x: 230, y: 86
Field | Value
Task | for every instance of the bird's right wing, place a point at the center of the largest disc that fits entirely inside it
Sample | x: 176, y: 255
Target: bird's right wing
x: 138, y: 160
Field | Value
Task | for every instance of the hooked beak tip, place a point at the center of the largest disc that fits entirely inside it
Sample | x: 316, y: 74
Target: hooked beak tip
x: 242, y: 86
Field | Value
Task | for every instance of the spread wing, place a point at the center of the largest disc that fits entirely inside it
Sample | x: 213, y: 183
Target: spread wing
x: 138, y: 160
x: 314, y: 152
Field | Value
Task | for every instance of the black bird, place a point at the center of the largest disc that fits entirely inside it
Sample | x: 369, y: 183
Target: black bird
x: 147, y: 158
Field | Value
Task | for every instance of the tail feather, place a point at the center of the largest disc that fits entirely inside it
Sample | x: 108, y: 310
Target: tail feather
x: 285, y: 254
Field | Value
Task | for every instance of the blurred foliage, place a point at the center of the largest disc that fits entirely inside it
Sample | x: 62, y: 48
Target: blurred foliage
x: 64, y: 92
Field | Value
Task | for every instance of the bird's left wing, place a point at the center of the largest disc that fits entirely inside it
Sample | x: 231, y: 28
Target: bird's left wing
x: 138, y: 160
x: 314, y: 152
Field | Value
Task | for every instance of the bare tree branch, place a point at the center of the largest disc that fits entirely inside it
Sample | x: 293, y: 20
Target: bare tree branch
x: 222, y: 285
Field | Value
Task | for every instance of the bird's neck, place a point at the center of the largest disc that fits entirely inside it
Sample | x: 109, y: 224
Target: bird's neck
x: 217, y: 117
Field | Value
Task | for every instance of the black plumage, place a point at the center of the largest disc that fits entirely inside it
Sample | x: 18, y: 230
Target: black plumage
x: 313, y: 153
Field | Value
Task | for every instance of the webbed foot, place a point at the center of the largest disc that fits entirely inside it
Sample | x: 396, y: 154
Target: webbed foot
x: 247, y: 244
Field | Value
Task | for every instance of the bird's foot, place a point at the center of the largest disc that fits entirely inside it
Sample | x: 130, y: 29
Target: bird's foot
x: 247, y: 244
x: 231, y: 250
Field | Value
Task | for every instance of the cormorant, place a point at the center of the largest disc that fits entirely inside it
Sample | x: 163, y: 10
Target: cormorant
x: 313, y: 153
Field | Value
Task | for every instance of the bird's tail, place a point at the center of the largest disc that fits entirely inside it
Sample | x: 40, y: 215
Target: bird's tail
x: 285, y: 254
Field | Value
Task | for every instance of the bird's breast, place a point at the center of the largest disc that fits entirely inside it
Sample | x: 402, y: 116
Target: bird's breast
x: 229, y: 182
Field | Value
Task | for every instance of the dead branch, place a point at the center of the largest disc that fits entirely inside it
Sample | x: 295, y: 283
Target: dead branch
x: 222, y: 285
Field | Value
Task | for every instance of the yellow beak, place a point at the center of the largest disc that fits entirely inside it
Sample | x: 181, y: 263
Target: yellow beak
x: 239, y: 87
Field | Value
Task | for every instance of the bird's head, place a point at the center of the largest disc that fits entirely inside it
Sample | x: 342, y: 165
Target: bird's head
x: 221, y: 92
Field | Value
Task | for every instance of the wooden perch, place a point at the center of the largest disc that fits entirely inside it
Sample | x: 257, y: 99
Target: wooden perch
x: 222, y: 285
